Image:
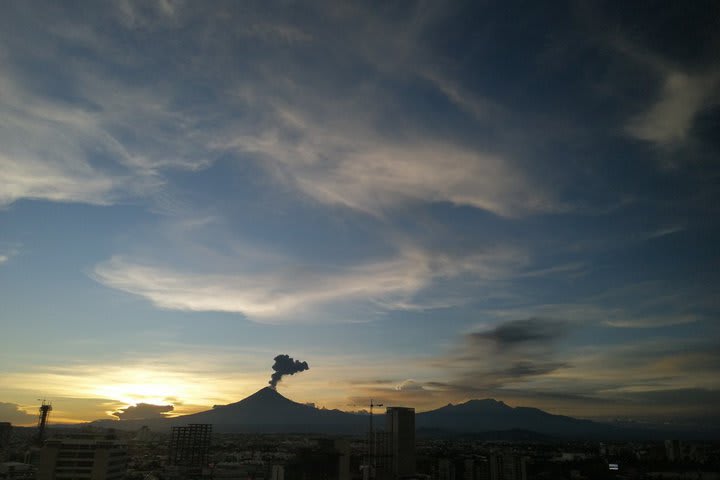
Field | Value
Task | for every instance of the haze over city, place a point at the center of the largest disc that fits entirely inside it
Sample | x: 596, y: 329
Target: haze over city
x: 419, y: 203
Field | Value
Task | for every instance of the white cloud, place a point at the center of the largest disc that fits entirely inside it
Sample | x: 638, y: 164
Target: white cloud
x: 111, y: 144
x: 669, y: 119
x: 43, y: 153
x: 481, y: 108
x: 8, y: 251
x: 652, y: 321
x: 147, y: 14
x: 385, y: 176
x: 344, y: 162
x: 38, y: 180
x: 302, y: 293
x: 119, y: 136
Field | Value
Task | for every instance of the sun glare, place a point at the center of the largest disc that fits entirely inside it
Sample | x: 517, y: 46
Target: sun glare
x: 146, y: 386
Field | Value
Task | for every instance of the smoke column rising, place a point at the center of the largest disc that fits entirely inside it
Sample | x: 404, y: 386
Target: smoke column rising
x: 286, y: 365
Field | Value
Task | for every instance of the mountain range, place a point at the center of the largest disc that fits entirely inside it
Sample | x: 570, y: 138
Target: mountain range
x: 267, y: 411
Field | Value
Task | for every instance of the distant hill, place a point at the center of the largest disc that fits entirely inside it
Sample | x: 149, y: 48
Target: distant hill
x: 267, y: 411
x: 491, y: 415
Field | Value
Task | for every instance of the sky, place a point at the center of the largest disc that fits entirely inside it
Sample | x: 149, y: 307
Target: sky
x: 427, y: 202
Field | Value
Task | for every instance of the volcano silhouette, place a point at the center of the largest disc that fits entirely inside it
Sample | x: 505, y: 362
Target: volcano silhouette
x: 268, y: 411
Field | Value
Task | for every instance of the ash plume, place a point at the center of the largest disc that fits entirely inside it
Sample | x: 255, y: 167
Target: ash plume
x: 286, y: 365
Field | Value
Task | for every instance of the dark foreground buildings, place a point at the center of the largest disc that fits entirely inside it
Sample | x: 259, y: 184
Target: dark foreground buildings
x: 83, y: 456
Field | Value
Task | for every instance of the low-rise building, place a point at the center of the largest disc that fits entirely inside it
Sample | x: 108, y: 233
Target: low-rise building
x: 83, y: 457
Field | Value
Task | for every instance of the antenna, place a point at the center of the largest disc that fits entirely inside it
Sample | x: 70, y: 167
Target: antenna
x: 44, y: 413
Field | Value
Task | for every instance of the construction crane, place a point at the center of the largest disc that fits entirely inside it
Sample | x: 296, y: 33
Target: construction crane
x: 44, y: 413
x: 371, y: 438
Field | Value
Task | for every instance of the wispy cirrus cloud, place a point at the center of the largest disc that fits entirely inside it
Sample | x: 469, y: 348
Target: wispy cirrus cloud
x: 335, y: 152
x: 300, y: 292
x: 86, y: 145
x: 668, y: 120
x: 643, y: 305
x: 44, y: 151
x: 361, y: 170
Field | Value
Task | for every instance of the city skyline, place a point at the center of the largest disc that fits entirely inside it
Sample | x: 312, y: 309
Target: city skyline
x: 427, y: 202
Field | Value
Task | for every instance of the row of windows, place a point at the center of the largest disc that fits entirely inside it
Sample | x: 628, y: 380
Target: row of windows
x: 76, y: 455
x: 70, y: 463
x: 69, y: 471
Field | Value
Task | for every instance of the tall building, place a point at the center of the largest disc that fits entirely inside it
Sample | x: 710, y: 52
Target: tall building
x: 83, y: 456
x: 507, y: 467
x: 445, y: 469
x: 339, y: 450
x: 381, y: 457
x: 5, y: 434
x: 190, y: 445
x: 400, y: 427
x: 328, y: 460
x: 277, y: 472
x: 673, y: 450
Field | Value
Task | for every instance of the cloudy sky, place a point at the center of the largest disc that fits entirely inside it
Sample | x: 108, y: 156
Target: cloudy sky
x: 428, y: 202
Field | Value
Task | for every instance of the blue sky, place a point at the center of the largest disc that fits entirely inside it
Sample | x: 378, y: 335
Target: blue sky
x: 426, y: 201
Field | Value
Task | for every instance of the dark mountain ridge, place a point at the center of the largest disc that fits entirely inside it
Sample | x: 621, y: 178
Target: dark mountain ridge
x: 268, y: 411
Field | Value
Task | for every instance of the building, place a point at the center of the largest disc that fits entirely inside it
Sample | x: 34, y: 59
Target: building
x: 339, y: 450
x: 400, y: 427
x: 190, y: 445
x: 237, y: 471
x: 380, y: 459
x: 328, y: 460
x: 673, y: 450
x: 16, y: 471
x: 507, y: 467
x: 277, y: 472
x: 445, y: 469
x: 5, y: 435
x: 83, y: 456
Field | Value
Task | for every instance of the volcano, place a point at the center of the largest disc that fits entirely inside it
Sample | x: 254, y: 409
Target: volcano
x: 268, y: 411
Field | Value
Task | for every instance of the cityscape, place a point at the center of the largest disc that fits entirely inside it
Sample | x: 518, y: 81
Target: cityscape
x: 391, y: 448
x: 359, y: 240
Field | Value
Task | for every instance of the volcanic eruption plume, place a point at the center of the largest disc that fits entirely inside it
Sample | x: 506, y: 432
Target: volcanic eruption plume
x: 285, y: 365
